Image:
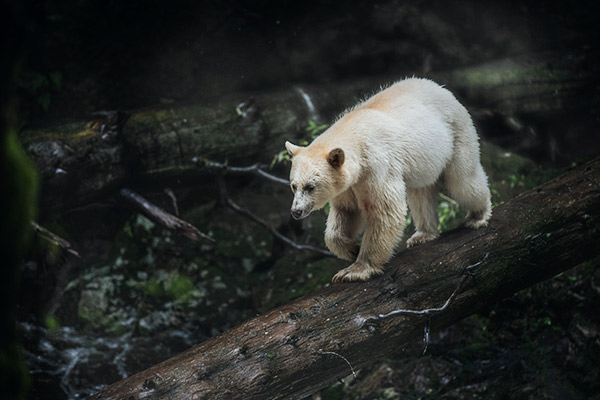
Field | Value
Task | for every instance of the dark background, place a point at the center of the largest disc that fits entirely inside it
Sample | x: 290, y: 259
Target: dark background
x: 64, y: 60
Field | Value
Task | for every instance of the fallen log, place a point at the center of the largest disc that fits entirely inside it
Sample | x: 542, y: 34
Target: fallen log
x: 83, y: 161
x: 302, y: 347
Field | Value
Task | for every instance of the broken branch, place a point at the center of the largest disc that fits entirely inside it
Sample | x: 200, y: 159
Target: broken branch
x: 161, y: 217
x: 53, y: 238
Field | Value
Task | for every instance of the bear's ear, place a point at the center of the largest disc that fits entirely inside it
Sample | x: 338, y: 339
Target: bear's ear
x: 336, y: 158
x: 292, y: 149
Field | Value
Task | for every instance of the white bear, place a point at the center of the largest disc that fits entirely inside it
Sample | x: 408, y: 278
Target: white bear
x: 388, y: 153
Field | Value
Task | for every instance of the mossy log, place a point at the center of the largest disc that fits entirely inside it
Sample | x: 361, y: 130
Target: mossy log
x: 299, y: 348
x: 83, y: 161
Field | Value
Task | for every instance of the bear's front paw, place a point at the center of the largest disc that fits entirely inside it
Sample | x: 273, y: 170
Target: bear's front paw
x: 359, y: 271
x: 420, y: 237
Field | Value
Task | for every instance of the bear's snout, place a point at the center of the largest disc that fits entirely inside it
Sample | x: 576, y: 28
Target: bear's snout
x: 297, y: 213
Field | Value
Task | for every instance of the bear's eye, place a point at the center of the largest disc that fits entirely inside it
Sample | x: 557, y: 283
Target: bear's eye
x: 293, y: 188
x: 309, y: 188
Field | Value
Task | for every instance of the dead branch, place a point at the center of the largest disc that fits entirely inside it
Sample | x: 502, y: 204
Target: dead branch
x: 53, y: 238
x: 223, y: 168
x: 255, y: 169
x: 161, y: 217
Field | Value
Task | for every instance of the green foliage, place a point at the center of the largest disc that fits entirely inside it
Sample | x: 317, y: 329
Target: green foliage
x: 313, y: 129
x: 154, y: 288
x: 175, y: 287
x: 515, y: 180
x: 52, y: 323
x: 281, y: 157
x: 496, y: 197
x: 178, y: 286
x: 448, y: 213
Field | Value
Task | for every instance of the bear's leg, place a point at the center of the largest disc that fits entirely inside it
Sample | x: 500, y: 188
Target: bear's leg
x: 342, y: 228
x: 467, y: 184
x: 422, y: 206
x: 384, y: 228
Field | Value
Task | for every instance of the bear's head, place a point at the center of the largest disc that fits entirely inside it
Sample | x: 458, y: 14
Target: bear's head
x: 316, y: 177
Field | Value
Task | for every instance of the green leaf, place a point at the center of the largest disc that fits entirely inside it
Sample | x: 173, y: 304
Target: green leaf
x: 51, y: 322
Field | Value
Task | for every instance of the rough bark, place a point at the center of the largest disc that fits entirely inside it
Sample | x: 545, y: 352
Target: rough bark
x: 289, y: 352
x: 83, y: 161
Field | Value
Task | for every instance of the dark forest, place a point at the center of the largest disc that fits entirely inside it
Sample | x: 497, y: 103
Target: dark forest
x: 146, y: 223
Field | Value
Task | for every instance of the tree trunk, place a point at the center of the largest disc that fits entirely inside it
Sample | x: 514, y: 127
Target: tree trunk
x: 83, y: 161
x: 300, y: 348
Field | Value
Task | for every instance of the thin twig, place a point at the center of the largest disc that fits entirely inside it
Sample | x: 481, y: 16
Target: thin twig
x: 343, y: 358
x: 51, y: 237
x: 171, y: 195
x: 255, y: 169
x: 163, y: 218
x: 231, y: 204
x: 428, y: 311
x: 449, y: 199
x: 466, y: 272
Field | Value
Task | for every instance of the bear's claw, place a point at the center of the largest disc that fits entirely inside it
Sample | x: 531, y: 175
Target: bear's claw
x: 420, y: 238
x: 358, y: 271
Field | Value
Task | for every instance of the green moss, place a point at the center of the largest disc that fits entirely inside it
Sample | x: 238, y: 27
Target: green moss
x: 154, y: 288
x: 178, y: 286
x: 72, y: 131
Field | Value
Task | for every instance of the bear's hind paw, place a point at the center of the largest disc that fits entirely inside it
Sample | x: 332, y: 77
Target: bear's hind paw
x: 476, y: 220
x: 420, y: 238
x: 358, y: 271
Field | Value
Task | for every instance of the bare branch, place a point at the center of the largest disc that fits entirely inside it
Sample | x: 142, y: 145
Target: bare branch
x: 51, y: 237
x: 255, y: 169
x: 231, y: 204
x: 163, y: 218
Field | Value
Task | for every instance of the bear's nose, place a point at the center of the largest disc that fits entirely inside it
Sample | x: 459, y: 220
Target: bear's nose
x: 296, y: 213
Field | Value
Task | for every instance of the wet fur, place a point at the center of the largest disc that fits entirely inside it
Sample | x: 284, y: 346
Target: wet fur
x: 385, y: 155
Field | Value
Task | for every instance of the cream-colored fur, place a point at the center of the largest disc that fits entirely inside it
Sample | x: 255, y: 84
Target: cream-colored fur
x: 388, y: 153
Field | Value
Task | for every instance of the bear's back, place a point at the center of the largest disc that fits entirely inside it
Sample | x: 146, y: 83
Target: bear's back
x: 410, y: 92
